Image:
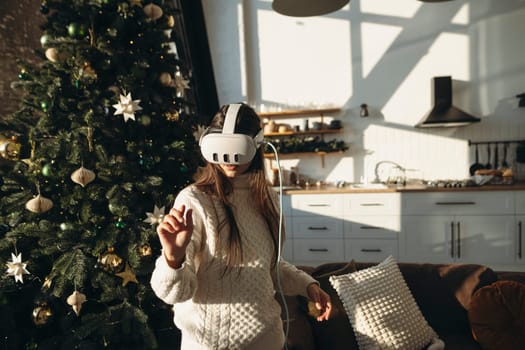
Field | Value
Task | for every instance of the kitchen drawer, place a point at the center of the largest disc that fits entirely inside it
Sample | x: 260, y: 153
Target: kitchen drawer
x: 315, y: 227
x: 370, y: 250
x: 372, y: 204
x: 459, y: 203
x: 319, y: 204
x: 372, y: 227
x: 318, y: 250
x: 520, y: 202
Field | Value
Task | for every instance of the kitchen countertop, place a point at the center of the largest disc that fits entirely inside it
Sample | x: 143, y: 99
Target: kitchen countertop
x: 325, y: 189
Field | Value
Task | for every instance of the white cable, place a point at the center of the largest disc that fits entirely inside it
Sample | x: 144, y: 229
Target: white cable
x: 279, y: 249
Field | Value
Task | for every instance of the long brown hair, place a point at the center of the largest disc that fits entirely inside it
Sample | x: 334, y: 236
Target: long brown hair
x: 211, y: 180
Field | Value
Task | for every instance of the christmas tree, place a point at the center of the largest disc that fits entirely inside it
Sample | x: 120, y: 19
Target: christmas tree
x: 102, y: 143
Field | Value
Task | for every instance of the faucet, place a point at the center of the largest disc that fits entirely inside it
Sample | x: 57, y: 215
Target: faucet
x: 398, y: 179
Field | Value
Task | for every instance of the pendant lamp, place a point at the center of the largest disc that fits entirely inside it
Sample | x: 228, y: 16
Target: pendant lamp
x: 306, y: 8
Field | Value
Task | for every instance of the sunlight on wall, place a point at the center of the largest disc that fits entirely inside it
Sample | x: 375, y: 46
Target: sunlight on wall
x: 304, y: 62
x: 463, y: 16
x: 448, y: 154
x: 242, y: 49
x: 448, y: 55
x: 377, y: 38
x: 398, y: 8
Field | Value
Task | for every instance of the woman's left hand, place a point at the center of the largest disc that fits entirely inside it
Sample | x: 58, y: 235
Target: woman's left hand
x: 321, y: 300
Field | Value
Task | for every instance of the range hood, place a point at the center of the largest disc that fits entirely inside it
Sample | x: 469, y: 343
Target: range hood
x: 443, y: 113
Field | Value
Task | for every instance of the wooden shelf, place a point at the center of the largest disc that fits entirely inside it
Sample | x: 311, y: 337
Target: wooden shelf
x: 295, y: 113
x: 299, y: 133
x: 294, y: 154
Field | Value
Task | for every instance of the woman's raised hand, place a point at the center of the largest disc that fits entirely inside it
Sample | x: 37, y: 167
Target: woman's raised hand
x: 174, y: 233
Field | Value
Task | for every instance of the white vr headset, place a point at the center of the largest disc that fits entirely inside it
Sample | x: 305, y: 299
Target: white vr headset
x: 227, y: 147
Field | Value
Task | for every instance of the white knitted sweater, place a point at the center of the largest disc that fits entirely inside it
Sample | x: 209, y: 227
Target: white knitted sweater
x: 234, y: 311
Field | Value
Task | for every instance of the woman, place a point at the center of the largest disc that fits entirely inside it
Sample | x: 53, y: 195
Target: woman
x: 219, y: 254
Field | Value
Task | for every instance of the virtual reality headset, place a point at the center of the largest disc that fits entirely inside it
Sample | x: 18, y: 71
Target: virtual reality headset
x: 227, y: 147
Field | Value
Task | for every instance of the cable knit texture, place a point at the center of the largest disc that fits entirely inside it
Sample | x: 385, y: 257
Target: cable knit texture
x: 237, y: 310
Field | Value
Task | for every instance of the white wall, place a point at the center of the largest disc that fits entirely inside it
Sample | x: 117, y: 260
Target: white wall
x: 383, y: 53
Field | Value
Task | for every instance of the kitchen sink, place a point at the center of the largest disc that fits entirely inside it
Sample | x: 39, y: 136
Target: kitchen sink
x: 370, y: 186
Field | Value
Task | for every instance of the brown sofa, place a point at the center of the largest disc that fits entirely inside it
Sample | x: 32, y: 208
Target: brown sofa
x: 442, y: 292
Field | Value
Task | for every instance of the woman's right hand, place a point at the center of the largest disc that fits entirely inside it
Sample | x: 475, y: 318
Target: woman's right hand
x: 174, y: 233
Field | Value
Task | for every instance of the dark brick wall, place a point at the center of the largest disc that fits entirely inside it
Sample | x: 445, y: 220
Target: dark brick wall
x: 19, y: 36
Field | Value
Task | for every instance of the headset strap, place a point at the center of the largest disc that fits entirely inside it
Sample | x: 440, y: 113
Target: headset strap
x: 231, y: 118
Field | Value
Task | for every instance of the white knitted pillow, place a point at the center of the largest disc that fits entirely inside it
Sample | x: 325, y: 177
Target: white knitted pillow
x: 382, y: 310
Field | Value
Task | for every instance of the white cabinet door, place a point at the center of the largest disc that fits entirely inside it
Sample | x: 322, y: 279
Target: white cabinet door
x: 426, y: 239
x: 520, y: 239
x: 487, y: 240
x: 520, y: 202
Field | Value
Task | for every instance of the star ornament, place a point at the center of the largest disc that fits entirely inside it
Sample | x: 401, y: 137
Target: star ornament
x: 17, y: 268
x: 127, y: 107
x: 127, y: 276
x: 155, y: 217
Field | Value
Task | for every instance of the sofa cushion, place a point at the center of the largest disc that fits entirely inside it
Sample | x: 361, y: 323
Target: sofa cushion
x: 443, y: 292
x: 382, y: 310
x: 335, y: 333
x: 497, y: 316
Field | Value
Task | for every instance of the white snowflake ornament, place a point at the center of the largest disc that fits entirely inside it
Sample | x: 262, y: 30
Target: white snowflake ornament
x: 155, y: 217
x: 17, y: 268
x: 127, y: 107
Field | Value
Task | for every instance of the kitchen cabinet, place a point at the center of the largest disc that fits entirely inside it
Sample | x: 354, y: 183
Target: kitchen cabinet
x: 462, y: 227
x: 317, y: 228
x: 371, y: 226
x: 341, y: 227
x: 479, y: 227
x: 302, y: 140
x: 520, y: 227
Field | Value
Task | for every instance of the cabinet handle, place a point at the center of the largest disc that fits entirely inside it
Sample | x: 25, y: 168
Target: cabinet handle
x: 318, y: 250
x: 459, y: 240
x: 318, y: 205
x: 364, y: 250
x: 455, y: 203
x: 371, y: 204
x: 452, y: 240
x: 320, y: 228
x: 370, y: 227
x: 519, y: 240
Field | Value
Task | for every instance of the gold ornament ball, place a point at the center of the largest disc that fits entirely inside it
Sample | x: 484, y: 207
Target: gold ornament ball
x: 42, y: 314
x: 145, y: 250
x: 110, y: 261
x: 165, y: 78
x: 9, y: 148
x: 52, y: 54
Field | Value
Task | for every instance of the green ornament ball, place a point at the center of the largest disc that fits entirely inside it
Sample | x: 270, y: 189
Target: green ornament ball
x: 65, y: 226
x: 23, y: 75
x: 44, y: 9
x: 47, y: 170
x: 44, y: 39
x: 73, y: 29
x: 120, y: 224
